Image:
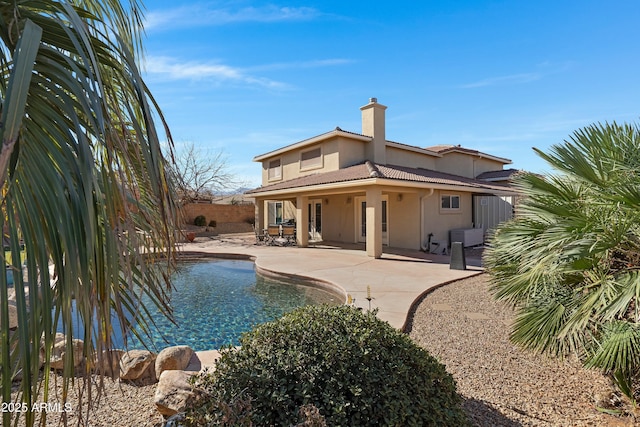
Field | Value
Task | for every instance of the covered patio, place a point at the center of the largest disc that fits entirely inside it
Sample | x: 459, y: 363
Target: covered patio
x: 377, y: 206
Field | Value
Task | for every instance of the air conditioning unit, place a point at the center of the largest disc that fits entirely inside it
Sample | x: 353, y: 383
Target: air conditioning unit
x: 468, y: 236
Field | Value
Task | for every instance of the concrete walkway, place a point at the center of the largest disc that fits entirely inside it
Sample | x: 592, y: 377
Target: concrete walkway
x: 396, y: 280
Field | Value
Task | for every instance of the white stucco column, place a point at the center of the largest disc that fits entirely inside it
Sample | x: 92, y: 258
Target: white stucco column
x: 374, y: 222
x: 302, y: 221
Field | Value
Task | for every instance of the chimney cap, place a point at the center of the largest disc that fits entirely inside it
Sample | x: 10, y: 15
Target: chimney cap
x: 373, y: 100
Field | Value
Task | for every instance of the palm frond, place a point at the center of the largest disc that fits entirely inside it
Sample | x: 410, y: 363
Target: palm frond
x: 84, y: 186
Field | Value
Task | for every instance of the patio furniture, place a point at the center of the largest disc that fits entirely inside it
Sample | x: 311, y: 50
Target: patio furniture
x: 261, y: 236
x: 289, y: 234
x: 273, y: 234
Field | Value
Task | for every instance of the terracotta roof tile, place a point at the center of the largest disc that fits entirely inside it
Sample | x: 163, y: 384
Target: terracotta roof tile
x: 503, y: 174
x: 370, y: 170
x: 433, y: 177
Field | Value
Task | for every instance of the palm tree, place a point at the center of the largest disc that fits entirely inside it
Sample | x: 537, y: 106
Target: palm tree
x: 570, y: 259
x: 84, y: 193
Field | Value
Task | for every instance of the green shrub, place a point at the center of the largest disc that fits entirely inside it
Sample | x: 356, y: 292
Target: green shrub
x: 344, y: 366
x: 213, y: 223
x: 200, y: 221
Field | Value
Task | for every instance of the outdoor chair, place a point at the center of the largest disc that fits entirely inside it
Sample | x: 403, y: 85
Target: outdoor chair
x: 289, y: 234
x: 273, y: 233
x: 261, y: 236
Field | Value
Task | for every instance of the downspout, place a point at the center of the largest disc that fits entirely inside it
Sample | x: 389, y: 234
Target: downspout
x: 422, y: 246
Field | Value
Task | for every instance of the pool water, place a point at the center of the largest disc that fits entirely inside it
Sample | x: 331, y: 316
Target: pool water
x: 216, y: 300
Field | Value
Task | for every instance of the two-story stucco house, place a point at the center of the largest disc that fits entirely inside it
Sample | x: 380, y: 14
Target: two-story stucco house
x: 352, y: 187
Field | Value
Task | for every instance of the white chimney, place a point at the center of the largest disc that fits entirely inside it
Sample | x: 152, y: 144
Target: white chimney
x: 373, y: 125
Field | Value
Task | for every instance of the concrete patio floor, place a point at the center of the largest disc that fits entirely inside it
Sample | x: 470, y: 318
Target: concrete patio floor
x: 396, y: 280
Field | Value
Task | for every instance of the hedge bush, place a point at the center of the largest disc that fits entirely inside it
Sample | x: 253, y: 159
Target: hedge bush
x: 200, y: 221
x: 323, y: 364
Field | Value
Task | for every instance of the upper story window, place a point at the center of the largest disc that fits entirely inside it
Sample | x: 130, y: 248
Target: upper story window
x: 450, y: 202
x: 275, y: 169
x: 311, y: 159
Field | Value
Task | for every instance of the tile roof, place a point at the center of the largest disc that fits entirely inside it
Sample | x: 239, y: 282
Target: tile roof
x: 370, y: 170
x: 439, y: 148
x: 503, y: 174
x: 444, y: 149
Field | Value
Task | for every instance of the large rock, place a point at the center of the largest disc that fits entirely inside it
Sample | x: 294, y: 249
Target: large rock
x: 59, y: 352
x: 173, y: 392
x: 173, y: 358
x: 109, y: 363
x: 138, y: 366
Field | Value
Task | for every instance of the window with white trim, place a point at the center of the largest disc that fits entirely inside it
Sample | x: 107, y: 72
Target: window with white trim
x: 450, y: 202
x: 311, y: 159
x: 275, y: 169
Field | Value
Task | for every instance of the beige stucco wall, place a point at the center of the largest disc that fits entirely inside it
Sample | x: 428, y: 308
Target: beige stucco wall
x: 404, y: 220
x: 351, y: 152
x: 457, y: 164
x: 337, y: 152
x: 487, y: 165
x: 466, y: 165
x: 439, y: 222
x: 396, y: 156
x: 338, y: 218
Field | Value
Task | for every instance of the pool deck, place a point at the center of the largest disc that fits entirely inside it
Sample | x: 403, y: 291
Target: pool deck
x: 396, y: 280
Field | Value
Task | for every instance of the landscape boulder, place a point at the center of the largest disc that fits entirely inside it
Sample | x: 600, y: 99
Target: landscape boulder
x: 59, y: 352
x: 173, y: 392
x: 138, y: 367
x: 109, y: 363
x: 173, y: 358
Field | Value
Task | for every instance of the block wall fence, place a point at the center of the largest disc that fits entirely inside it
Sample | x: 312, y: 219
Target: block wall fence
x: 228, y: 218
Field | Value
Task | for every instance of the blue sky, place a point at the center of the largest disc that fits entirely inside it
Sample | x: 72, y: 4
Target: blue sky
x: 247, y: 77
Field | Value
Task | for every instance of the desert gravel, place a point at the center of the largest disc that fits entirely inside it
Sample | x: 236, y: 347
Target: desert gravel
x: 468, y: 331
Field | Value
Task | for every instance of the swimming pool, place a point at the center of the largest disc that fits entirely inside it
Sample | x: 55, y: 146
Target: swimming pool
x: 216, y: 300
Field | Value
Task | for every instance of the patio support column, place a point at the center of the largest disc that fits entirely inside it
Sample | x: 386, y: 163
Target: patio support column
x: 374, y: 222
x: 259, y: 213
x: 302, y: 221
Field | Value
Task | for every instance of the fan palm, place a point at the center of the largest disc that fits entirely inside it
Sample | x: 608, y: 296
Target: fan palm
x: 84, y: 195
x: 570, y: 260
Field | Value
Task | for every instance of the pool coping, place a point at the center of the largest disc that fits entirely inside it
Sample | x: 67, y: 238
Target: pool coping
x: 397, y: 282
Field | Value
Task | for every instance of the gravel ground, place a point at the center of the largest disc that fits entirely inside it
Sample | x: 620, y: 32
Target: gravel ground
x: 466, y: 330
x: 120, y: 404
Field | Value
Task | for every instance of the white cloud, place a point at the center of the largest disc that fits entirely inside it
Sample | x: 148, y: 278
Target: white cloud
x: 204, y: 15
x: 191, y: 70
x: 314, y: 63
x: 545, y: 69
x: 172, y: 68
x: 504, y: 80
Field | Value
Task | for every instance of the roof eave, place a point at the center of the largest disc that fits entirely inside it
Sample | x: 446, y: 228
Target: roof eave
x: 383, y: 182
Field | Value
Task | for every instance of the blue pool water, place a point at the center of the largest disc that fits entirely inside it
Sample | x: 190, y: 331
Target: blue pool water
x: 216, y: 300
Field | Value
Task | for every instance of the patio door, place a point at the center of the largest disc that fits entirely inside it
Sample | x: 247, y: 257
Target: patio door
x: 361, y: 219
x: 315, y: 219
